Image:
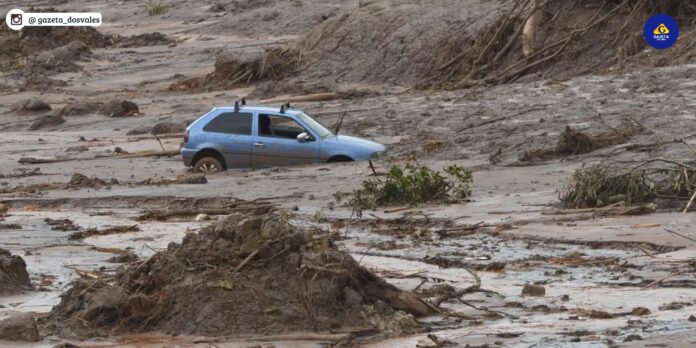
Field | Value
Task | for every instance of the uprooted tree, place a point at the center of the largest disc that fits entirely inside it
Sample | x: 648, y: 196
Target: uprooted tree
x: 413, y: 185
x: 606, y: 184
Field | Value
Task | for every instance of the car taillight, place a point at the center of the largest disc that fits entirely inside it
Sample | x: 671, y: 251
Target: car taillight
x: 186, y: 136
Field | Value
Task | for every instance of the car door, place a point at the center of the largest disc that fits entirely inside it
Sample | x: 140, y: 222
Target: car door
x: 275, y: 143
x: 230, y: 132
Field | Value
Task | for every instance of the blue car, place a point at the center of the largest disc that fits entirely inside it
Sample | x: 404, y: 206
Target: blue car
x: 260, y: 137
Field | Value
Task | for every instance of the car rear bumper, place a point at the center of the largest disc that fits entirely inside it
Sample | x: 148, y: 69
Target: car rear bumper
x: 187, y: 156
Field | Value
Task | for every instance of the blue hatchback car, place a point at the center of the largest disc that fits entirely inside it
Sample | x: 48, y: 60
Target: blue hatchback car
x: 259, y: 137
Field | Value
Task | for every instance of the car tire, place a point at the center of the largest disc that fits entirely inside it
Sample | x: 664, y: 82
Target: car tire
x: 208, y: 165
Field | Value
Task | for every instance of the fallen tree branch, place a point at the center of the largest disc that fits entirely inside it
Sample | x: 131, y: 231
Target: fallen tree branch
x: 459, y: 293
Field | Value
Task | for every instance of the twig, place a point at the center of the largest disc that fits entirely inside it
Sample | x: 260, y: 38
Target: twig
x: 245, y: 261
x: 459, y: 293
x: 488, y: 310
x: 680, y: 235
x: 160, y: 142
x: 663, y: 279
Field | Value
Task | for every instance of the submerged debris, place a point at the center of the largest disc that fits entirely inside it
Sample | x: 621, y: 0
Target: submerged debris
x: 574, y: 142
x: 103, y: 232
x: 46, y: 122
x: 81, y: 180
x: 119, y: 108
x: 29, y: 106
x: 62, y: 225
x: 13, y: 273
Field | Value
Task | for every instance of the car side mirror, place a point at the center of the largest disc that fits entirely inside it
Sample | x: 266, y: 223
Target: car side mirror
x: 303, y: 137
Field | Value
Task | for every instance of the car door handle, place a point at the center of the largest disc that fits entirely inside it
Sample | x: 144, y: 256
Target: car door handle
x: 259, y: 145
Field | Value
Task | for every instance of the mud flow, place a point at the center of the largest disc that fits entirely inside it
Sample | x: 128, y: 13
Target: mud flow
x: 537, y: 187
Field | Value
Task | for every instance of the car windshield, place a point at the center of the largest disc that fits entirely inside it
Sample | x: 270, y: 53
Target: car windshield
x: 317, y: 127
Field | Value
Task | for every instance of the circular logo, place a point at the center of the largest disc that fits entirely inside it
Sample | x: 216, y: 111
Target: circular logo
x: 15, y: 19
x: 661, y: 31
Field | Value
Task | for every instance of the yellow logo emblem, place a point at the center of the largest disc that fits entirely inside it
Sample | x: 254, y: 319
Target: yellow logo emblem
x: 661, y: 29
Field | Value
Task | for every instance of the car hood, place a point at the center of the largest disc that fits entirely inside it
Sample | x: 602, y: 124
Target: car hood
x: 353, y: 141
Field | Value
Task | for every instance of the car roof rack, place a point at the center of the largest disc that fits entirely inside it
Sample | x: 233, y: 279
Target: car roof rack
x: 236, y: 106
x: 282, y: 109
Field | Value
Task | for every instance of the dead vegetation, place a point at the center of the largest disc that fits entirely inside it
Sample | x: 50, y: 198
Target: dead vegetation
x: 554, y: 39
x: 250, y: 274
x: 608, y: 184
x: 413, y: 185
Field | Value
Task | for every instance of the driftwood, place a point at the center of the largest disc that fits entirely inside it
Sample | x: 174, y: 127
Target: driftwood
x: 308, y: 336
x: 530, y: 28
x: 32, y: 160
x: 610, y: 210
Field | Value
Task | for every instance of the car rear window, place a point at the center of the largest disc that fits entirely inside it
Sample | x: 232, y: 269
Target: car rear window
x: 230, y: 123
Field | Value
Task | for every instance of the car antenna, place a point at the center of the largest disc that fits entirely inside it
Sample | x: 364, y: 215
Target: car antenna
x: 340, y: 121
x: 236, y: 106
x: 243, y: 101
x: 282, y: 109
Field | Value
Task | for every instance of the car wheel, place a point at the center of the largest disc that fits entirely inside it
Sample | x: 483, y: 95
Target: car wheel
x: 208, y: 165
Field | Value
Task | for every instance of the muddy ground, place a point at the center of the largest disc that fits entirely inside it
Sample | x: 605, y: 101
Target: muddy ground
x: 608, y: 279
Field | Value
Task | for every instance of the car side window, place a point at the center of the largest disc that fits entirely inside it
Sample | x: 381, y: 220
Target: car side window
x: 279, y: 127
x: 230, y: 123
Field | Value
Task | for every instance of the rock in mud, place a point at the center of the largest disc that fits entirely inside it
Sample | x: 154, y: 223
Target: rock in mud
x: 80, y: 108
x: 119, y: 108
x: 13, y: 273
x: 47, y: 122
x: 533, y: 290
x: 168, y: 128
x: 20, y: 327
x: 30, y: 106
x: 299, y: 281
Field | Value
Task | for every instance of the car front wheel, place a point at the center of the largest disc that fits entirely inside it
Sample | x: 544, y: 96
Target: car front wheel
x: 208, y: 165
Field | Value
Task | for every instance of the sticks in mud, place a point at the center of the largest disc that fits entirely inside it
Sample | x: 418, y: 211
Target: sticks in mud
x: 476, y: 287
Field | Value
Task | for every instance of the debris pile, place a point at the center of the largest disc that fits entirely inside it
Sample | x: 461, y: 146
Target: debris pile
x: 13, y: 273
x: 232, y: 69
x: 608, y: 184
x: 30, y: 106
x: 249, y: 273
x: 46, y: 122
x: 574, y: 142
x: 81, y: 180
x: 119, y: 108
x: 79, y: 108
